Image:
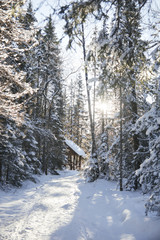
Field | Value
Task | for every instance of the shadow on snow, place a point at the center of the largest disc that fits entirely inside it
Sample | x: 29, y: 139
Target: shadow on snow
x: 103, y: 213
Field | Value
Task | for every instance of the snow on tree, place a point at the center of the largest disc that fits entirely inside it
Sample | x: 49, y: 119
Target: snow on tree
x: 15, y: 43
x: 149, y: 123
x: 103, y: 161
x: 123, y: 62
x: 148, y: 172
x: 31, y: 105
x: 47, y: 114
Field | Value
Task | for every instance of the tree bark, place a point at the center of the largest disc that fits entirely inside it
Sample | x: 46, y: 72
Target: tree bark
x: 121, y: 144
x: 134, y: 110
x: 0, y: 169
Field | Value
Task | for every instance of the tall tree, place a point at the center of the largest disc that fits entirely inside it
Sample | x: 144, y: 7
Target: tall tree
x: 127, y: 56
x: 149, y: 125
x: 75, y: 29
x: 14, y: 92
x: 52, y: 98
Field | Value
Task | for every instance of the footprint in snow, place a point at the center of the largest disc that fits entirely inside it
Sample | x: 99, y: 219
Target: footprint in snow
x: 126, y: 215
x: 88, y: 197
x: 76, y: 194
x: 66, y: 206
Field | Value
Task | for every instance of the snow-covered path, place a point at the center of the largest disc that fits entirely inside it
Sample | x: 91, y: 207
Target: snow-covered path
x: 64, y: 207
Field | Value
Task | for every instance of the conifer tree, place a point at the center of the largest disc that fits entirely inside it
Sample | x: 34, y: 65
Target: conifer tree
x: 52, y: 100
x: 149, y: 125
x: 29, y: 17
x: 127, y: 56
x: 14, y: 93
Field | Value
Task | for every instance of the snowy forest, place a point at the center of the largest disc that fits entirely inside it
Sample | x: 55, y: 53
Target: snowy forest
x: 110, y: 107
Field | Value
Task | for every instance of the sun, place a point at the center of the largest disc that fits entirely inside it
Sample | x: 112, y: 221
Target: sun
x: 107, y: 108
x: 102, y: 106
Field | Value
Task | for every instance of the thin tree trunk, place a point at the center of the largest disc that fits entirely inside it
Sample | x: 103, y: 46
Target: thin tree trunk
x: 134, y: 109
x: 44, y: 159
x: 80, y: 159
x: 0, y: 169
x: 103, y: 114
x: 88, y: 94
x: 7, y: 174
x: 121, y: 147
x: 37, y: 103
x: 94, y: 97
x: 71, y: 111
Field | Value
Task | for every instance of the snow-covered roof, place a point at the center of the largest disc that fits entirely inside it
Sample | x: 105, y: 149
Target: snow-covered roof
x: 75, y: 148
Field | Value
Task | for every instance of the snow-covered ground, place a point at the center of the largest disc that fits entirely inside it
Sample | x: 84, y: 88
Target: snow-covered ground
x: 64, y: 207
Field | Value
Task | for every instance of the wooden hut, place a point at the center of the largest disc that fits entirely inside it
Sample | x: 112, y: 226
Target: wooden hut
x: 75, y: 155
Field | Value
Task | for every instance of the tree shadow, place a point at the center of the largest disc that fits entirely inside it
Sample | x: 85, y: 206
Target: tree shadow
x: 102, y: 214
x: 90, y: 221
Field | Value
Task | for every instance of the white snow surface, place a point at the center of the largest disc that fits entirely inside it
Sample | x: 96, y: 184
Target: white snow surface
x: 65, y: 207
x: 75, y: 147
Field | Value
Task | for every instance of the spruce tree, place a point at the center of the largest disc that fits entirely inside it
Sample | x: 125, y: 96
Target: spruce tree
x: 127, y: 57
x: 52, y: 101
x: 15, y: 93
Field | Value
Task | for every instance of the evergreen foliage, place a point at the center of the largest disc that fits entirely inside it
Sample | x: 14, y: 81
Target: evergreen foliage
x: 48, y: 105
x: 31, y: 97
x: 14, y: 93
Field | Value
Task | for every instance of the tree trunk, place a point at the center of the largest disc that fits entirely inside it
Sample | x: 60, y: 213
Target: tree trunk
x: 88, y: 94
x: 44, y: 159
x: 0, y: 169
x: 80, y: 160
x: 121, y: 146
x: 7, y: 174
x: 135, y: 136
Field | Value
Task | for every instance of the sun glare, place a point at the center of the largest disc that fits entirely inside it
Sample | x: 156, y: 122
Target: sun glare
x: 107, y: 108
